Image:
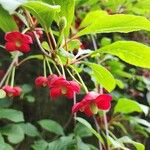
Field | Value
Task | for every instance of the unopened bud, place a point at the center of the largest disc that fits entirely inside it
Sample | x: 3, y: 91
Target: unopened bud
x: 62, y: 23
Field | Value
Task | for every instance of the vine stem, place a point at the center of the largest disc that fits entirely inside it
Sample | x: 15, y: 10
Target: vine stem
x: 106, y: 128
x: 98, y: 130
x: 74, y: 102
x: 82, y: 82
x: 9, y: 69
x: 39, y: 44
x: 13, y: 76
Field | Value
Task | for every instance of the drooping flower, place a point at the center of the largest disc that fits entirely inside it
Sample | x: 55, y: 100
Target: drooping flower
x: 92, y: 102
x: 60, y: 86
x: 17, y: 91
x: 12, y: 91
x: 17, y: 41
x: 41, y: 81
x: 38, y: 31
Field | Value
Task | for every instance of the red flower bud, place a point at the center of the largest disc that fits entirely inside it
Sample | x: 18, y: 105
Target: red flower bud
x: 12, y: 91
x: 41, y: 81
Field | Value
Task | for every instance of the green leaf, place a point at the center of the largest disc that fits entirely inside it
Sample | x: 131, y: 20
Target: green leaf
x: 11, y: 114
x: 3, y: 145
x: 67, y: 10
x: 29, y: 129
x: 62, y: 144
x: 82, y: 131
x: 84, y: 122
x: 137, y: 145
x: 101, y: 22
x: 127, y: 106
x: 2, y: 94
x: 131, y: 52
x: 40, y: 145
x: 7, y: 22
x: 14, y: 133
x: 44, y: 12
x: 46, y: 46
x: 103, y: 76
x: 51, y: 126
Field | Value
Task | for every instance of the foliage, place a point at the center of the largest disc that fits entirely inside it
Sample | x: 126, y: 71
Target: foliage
x: 73, y: 48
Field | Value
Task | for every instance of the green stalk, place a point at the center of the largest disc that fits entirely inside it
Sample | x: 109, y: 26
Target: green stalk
x: 82, y: 82
x: 13, y: 76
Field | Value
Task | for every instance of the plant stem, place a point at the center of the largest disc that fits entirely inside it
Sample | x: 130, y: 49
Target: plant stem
x: 9, y: 69
x: 44, y: 66
x: 49, y: 67
x: 73, y: 77
x: 13, y: 76
x: 62, y: 67
x: 106, y: 128
x: 39, y: 44
x: 82, y: 82
x: 98, y: 130
x: 75, y: 114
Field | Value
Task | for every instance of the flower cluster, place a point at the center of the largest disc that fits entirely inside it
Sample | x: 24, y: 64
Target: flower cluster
x: 16, y: 41
x: 92, y: 102
x: 12, y: 91
x: 58, y: 86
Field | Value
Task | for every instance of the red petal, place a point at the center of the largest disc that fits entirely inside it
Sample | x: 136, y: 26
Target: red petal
x: 69, y: 94
x: 24, y: 48
x: 91, y: 96
x: 10, y: 46
x: 27, y: 39
x: 41, y: 81
x: 103, y: 101
x: 17, y: 91
x: 12, y: 36
x: 77, y: 107
x: 75, y: 86
x: 88, y: 111
x: 55, y: 92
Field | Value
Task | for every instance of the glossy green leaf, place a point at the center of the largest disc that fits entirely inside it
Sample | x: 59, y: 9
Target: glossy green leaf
x: 67, y: 10
x: 44, y: 12
x: 29, y: 129
x: 40, y: 145
x: 101, y: 22
x: 2, y: 93
x: 82, y: 131
x: 137, y: 145
x: 103, y: 76
x: 14, y: 133
x: 11, y: 114
x: 51, y: 126
x: 84, y: 122
x: 62, y: 144
x: 127, y: 106
x: 129, y: 51
x: 7, y: 22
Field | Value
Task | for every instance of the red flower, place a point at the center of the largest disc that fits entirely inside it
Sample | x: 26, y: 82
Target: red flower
x: 92, y: 102
x: 41, y: 81
x: 17, y: 91
x: 60, y: 86
x: 38, y: 31
x: 12, y: 91
x: 17, y: 41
